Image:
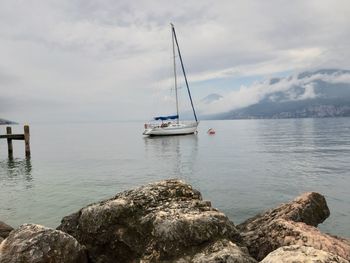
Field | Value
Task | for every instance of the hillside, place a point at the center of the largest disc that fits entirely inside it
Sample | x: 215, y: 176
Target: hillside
x: 319, y: 94
x: 3, y: 121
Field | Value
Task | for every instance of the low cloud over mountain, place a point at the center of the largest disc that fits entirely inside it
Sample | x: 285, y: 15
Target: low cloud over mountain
x: 211, y: 98
x: 322, y: 93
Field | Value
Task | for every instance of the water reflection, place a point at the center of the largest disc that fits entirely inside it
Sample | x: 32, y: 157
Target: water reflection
x: 16, y: 169
x: 303, y: 136
x: 174, y: 155
x: 302, y: 154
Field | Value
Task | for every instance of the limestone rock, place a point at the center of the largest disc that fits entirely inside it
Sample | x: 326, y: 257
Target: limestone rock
x: 223, y: 251
x: 156, y: 223
x: 310, y: 208
x: 293, y: 254
x: 280, y: 233
x: 37, y: 244
x: 4, y: 230
x: 292, y: 224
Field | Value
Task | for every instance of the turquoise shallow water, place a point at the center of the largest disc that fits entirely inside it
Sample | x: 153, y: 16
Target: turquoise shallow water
x: 247, y: 167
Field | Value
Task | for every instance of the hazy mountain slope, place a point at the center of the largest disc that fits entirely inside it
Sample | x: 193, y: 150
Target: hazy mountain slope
x: 3, y: 121
x: 317, y: 108
x: 323, y: 93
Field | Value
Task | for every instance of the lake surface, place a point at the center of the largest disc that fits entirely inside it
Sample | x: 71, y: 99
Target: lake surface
x: 246, y: 167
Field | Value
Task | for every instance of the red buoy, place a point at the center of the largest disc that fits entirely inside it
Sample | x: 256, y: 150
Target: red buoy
x: 211, y: 131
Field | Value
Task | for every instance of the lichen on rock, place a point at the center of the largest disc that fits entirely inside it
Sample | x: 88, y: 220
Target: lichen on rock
x: 223, y: 251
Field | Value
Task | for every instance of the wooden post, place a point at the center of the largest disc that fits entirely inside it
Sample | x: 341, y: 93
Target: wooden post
x: 26, y: 140
x: 9, y: 141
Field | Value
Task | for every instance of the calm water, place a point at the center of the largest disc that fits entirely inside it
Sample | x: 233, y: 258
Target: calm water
x: 248, y: 166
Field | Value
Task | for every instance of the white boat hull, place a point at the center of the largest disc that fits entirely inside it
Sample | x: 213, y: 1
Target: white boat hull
x: 172, y: 129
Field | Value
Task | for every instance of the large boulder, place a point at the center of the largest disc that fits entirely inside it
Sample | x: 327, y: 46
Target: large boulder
x: 292, y: 224
x: 4, y: 230
x: 281, y: 232
x: 37, y: 244
x: 158, y: 222
x: 292, y: 254
x: 310, y: 208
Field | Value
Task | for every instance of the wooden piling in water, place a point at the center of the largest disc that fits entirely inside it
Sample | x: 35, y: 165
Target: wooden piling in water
x: 24, y: 137
x: 26, y: 140
x: 9, y: 141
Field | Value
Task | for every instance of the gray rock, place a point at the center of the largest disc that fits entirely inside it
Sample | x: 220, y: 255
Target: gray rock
x: 284, y: 226
x: 37, y: 244
x: 223, y: 251
x: 294, y: 254
x: 281, y: 232
x: 155, y: 223
x: 5, y: 230
x: 310, y: 208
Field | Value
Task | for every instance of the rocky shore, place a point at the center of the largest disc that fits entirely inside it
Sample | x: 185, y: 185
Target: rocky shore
x: 168, y: 221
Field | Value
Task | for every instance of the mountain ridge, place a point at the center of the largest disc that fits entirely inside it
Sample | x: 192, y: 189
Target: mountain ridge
x: 3, y: 122
x: 318, y: 94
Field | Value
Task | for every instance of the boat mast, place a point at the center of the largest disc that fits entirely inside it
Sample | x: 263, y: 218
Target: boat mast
x: 183, y: 70
x: 174, y: 61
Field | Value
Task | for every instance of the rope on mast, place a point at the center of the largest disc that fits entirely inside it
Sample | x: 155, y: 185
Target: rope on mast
x: 183, y: 70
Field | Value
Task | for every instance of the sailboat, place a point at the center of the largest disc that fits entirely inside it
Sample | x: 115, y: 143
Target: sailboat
x: 171, y: 125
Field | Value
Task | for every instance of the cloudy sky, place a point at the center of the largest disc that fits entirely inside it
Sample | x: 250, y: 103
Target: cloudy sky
x: 109, y: 60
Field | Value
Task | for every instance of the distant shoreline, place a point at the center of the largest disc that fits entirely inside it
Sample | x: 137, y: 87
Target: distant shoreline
x: 6, y: 122
x: 272, y: 118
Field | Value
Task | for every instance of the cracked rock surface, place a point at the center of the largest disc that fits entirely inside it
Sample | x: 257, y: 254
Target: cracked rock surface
x: 295, y: 253
x: 38, y: 244
x: 293, y: 223
x: 159, y: 222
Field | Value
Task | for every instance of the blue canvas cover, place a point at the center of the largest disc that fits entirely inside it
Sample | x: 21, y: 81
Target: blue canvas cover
x: 163, y: 118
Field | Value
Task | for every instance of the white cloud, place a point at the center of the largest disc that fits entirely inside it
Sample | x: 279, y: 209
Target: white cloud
x: 309, y: 92
x: 106, y: 58
x: 289, y: 86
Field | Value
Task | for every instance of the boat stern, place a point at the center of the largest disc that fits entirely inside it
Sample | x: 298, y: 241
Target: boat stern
x: 147, y: 132
x: 148, y: 129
